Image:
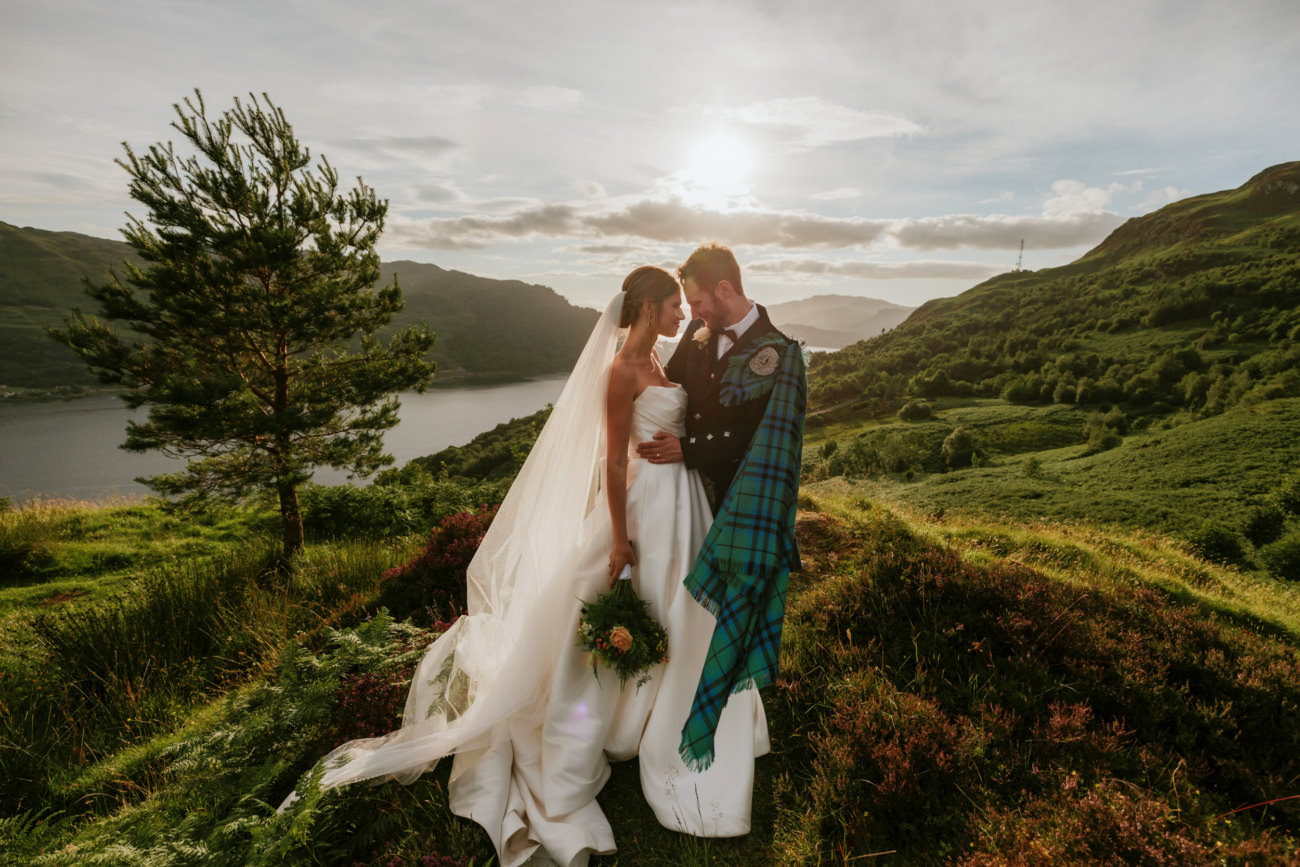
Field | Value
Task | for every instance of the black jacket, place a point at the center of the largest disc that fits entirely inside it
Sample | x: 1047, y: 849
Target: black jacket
x: 717, y: 436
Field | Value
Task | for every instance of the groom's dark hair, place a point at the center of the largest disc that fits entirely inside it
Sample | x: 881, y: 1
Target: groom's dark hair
x: 710, y: 264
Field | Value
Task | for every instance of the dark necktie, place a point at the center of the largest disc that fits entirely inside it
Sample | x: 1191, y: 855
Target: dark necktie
x: 728, y: 332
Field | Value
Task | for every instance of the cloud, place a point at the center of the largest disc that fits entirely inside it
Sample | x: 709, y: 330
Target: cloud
x: 471, y: 232
x: 604, y: 249
x: 668, y: 221
x: 818, y: 122
x: 872, y: 270
x: 1000, y: 232
x: 674, y: 221
x: 1159, y: 198
x: 1075, y: 197
x: 838, y: 193
x: 1138, y: 172
x: 380, y: 154
x: 439, y: 192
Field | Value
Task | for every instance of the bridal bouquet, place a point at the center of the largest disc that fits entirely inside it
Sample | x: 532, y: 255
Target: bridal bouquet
x: 619, y: 632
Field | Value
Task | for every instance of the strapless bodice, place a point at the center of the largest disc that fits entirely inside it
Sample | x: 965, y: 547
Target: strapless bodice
x: 659, y: 408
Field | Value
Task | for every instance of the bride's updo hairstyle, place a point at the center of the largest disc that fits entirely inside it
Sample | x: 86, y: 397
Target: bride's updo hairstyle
x: 647, y: 283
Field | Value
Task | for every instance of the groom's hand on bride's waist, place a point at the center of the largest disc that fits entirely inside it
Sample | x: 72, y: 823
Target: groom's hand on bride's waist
x: 663, y: 449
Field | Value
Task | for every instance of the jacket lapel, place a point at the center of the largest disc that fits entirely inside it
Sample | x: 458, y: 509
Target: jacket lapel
x: 760, y: 328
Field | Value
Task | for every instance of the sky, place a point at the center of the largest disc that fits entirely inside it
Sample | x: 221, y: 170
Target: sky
x: 894, y: 150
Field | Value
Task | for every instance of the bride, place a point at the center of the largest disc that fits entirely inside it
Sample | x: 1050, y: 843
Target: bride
x: 507, y: 690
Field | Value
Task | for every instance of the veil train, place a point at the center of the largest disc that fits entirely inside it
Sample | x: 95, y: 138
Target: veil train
x: 494, y: 663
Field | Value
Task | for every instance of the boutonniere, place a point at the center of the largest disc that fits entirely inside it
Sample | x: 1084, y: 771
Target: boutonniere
x: 701, y: 335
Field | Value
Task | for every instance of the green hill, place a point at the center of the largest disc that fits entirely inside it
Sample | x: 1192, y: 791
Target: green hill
x: 486, y: 328
x: 40, y: 280
x: 1152, y: 384
x: 1163, y: 314
x: 492, y: 327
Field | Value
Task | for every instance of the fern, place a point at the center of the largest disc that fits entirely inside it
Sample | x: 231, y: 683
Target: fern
x: 21, y: 835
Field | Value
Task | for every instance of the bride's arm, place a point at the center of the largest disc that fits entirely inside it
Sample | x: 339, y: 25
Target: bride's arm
x: 618, y: 428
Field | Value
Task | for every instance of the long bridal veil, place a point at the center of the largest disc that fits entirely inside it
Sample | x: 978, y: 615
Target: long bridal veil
x: 494, y: 664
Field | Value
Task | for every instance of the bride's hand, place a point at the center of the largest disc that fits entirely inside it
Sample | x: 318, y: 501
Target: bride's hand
x: 621, y: 555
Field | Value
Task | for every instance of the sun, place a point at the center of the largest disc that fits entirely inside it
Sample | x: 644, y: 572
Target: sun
x: 718, y: 171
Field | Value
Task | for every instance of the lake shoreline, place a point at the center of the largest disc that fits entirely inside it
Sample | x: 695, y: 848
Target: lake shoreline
x: 450, y: 379
x: 70, y: 448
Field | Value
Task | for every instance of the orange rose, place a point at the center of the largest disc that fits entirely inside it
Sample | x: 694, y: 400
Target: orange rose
x: 621, y: 638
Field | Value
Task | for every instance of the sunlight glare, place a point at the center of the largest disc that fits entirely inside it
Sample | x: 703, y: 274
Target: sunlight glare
x: 718, y: 171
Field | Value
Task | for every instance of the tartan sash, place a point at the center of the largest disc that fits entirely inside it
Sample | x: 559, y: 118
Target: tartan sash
x: 744, y: 565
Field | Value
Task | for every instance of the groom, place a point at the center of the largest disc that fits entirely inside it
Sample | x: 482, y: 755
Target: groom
x: 746, y: 393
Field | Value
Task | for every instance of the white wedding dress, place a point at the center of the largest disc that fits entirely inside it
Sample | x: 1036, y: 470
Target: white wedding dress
x: 509, y: 693
x: 535, y: 786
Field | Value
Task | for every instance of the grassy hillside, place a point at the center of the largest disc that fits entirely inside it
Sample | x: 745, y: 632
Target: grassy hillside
x: 41, y: 277
x: 492, y: 327
x: 1034, y: 463
x: 1193, y: 307
x: 953, y: 692
x: 1153, y: 384
x: 486, y: 328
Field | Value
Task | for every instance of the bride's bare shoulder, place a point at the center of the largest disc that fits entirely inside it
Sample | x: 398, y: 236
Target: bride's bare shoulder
x: 622, y: 373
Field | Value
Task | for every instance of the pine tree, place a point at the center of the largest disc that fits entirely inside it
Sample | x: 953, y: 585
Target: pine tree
x: 253, y: 316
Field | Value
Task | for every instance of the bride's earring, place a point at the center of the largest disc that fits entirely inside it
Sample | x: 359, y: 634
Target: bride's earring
x: 650, y: 323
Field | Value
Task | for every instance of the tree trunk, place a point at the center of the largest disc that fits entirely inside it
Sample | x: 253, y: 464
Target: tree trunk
x: 290, y: 514
x: 291, y: 518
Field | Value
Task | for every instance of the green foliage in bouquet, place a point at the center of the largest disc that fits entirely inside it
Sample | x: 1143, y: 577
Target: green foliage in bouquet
x: 619, y: 632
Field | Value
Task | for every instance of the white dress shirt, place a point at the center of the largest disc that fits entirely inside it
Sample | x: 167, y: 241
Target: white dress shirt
x: 724, y: 342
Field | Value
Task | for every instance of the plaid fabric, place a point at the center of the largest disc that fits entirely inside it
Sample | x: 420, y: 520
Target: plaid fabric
x: 744, y: 566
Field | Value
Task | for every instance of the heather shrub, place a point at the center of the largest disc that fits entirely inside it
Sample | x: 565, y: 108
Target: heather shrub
x: 929, y: 697
x: 431, y: 587
x: 1104, y: 823
x: 886, y: 762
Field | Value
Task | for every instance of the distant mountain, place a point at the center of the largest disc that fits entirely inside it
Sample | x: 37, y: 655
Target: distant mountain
x: 486, y: 328
x: 491, y: 327
x: 40, y: 279
x: 835, y: 321
x: 1195, y: 307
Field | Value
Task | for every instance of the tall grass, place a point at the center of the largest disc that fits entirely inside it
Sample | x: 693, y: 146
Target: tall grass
x: 101, y: 676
